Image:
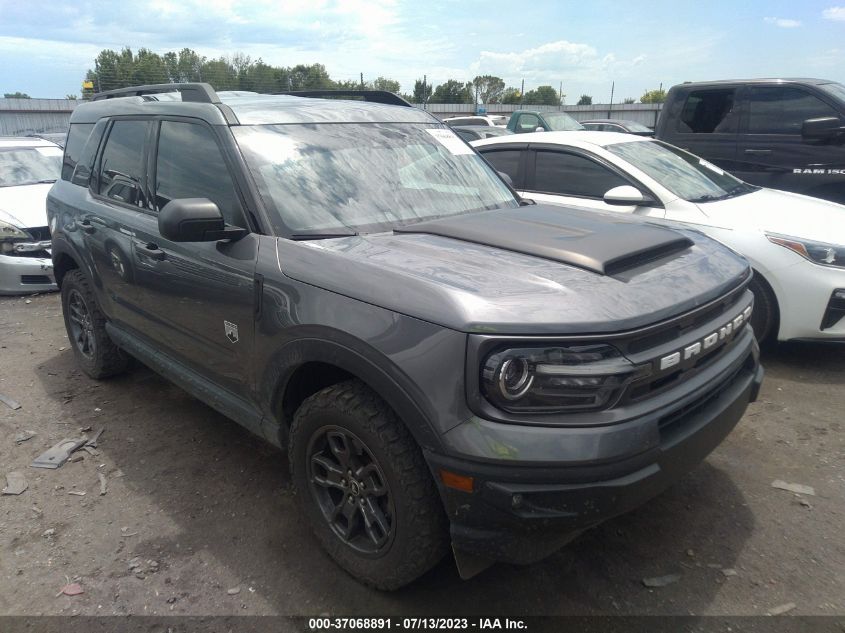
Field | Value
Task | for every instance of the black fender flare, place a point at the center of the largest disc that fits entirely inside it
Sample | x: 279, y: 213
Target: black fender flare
x: 62, y: 247
x: 358, y: 359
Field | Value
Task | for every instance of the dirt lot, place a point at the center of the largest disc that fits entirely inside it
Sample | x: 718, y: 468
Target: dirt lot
x: 197, y: 518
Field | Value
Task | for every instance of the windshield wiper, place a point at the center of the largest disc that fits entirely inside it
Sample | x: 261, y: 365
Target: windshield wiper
x: 300, y: 237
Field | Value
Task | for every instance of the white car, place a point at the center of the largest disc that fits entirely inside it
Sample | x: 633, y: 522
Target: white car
x: 28, y: 168
x: 795, y: 243
x: 497, y: 120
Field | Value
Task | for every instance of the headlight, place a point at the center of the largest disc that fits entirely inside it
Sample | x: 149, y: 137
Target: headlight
x: 9, y: 234
x: 817, y: 252
x: 557, y: 378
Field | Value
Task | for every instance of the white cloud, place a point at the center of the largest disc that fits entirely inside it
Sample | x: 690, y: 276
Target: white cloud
x: 784, y: 23
x: 834, y: 13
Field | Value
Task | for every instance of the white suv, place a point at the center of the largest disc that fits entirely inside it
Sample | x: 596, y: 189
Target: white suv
x: 28, y: 168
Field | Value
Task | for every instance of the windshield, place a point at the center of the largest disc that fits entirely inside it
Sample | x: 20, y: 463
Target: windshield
x: 687, y: 176
x: 837, y: 90
x: 29, y: 165
x: 343, y: 178
x: 561, y: 122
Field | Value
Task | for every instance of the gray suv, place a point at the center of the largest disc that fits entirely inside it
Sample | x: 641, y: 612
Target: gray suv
x: 444, y: 362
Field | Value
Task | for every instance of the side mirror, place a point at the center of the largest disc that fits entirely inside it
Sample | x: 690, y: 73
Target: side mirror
x: 193, y: 220
x: 505, y: 177
x: 539, y: 128
x: 821, y: 128
x: 626, y: 196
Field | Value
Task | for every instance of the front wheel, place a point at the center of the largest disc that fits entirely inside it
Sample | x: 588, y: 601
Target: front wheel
x: 765, y: 316
x: 362, y: 482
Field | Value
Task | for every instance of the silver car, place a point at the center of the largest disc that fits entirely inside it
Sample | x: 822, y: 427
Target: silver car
x: 28, y: 168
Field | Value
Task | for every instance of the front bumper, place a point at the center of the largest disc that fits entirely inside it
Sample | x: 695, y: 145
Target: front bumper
x: 805, y: 292
x: 522, y: 511
x: 23, y: 275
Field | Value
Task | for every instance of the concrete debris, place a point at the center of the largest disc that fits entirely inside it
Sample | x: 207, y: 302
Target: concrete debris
x: 103, y: 483
x: 57, y: 455
x: 72, y: 589
x: 15, y: 484
x: 49, y: 533
x: 78, y: 493
x: 727, y: 573
x: 661, y: 581
x: 23, y: 436
x: 799, y: 489
x: 12, y: 404
x: 781, y: 609
x: 233, y: 591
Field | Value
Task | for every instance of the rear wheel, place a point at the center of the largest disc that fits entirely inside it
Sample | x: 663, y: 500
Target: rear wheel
x: 85, y: 323
x: 764, y: 319
x: 361, y: 480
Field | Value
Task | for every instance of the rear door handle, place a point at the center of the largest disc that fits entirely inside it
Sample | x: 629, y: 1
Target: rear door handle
x: 758, y: 152
x: 150, y: 250
x: 87, y: 226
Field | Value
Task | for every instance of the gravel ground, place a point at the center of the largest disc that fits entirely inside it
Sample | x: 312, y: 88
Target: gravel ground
x: 197, y: 518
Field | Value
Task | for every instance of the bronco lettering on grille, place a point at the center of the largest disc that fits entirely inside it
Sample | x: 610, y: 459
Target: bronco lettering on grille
x: 718, y: 337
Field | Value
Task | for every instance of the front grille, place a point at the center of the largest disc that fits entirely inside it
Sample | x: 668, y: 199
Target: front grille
x: 32, y: 280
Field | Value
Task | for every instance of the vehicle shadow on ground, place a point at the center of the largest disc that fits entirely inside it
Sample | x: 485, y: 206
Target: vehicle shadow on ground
x: 227, y: 491
x: 815, y: 363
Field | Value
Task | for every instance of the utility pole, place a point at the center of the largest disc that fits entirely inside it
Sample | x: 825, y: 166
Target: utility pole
x: 425, y: 92
x: 522, y: 92
x: 610, y: 109
x: 362, y: 81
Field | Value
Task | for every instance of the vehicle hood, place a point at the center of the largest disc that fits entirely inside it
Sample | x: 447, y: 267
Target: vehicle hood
x: 24, y: 206
x: 774, y: 211
x: 506, y: 272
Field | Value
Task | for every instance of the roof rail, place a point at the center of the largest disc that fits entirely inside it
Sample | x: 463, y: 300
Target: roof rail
x: 373, y: 96
x: 193, y: 92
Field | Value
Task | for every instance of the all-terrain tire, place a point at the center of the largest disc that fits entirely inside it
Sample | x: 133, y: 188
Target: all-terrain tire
x: 102, y: 359
x: 420, y: 533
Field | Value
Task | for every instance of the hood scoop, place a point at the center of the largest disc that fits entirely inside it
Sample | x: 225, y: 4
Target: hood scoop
x: 594, y: 241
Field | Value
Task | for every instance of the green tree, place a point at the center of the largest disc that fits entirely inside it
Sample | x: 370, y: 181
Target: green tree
x: 585, y: 100
x: 16, y: 95
x: 653, y: 96
x: 542, y: 95
x: 383, y: 83
x: 488, y: 88
x: 628, y: 100
x: 453, y: 91
x: 72, y: 97
x: 422, y: 91
x: 259, y: 77
x: 511, y: 96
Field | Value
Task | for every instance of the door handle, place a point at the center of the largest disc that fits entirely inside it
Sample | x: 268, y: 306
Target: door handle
x: 150, y: 250
x: 87, y: 226
x: 758, y: 152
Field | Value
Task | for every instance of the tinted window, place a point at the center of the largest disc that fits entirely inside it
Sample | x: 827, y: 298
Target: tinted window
x: 85, y: 165
x: 571, y: 175
x: 527, y: 123
x: 190, y: 165
x: 121, y: 174
x: 467, y: 135
x: 708, y: 112
x: 782, y: 110
x: 469, y: 121
x: 505, y: 161
x: 77, y: 135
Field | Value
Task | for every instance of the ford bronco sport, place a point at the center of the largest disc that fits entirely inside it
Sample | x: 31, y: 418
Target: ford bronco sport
x: 444, y: 363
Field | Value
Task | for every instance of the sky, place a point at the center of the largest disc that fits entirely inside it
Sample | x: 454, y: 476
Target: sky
x: 46, y: 47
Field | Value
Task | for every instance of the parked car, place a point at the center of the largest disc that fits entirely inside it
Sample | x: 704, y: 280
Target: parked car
x: 795, y: 243
x: 441, y: 362
x: 527, y: 121
x: 617, y: 125
x: 54, y: 137
x: 488, y: 120
x: 28, y: 167
x: 784, y: 134
x: 475, y: 132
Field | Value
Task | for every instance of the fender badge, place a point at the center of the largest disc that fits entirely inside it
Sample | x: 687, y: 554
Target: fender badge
x: 231, y: 331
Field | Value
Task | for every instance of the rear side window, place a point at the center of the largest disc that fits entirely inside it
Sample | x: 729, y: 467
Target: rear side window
x: 572, y: 175
x: 121, y: 175
x: 505, y: 161
x: 190, y: 165
x: 708, y: 112
x: 783, y: 110
x: 527, y: 123
x: 77, y: 135
x: 85, y: 165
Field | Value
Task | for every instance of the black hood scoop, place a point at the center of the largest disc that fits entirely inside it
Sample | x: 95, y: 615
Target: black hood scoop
x: 594, y: 241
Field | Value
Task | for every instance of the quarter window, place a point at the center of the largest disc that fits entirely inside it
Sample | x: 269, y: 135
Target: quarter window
x: 571, y: 175
x: 783, y: 110
x: 190, y: 165
x: 76, y: 138
x: 121, y: 175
